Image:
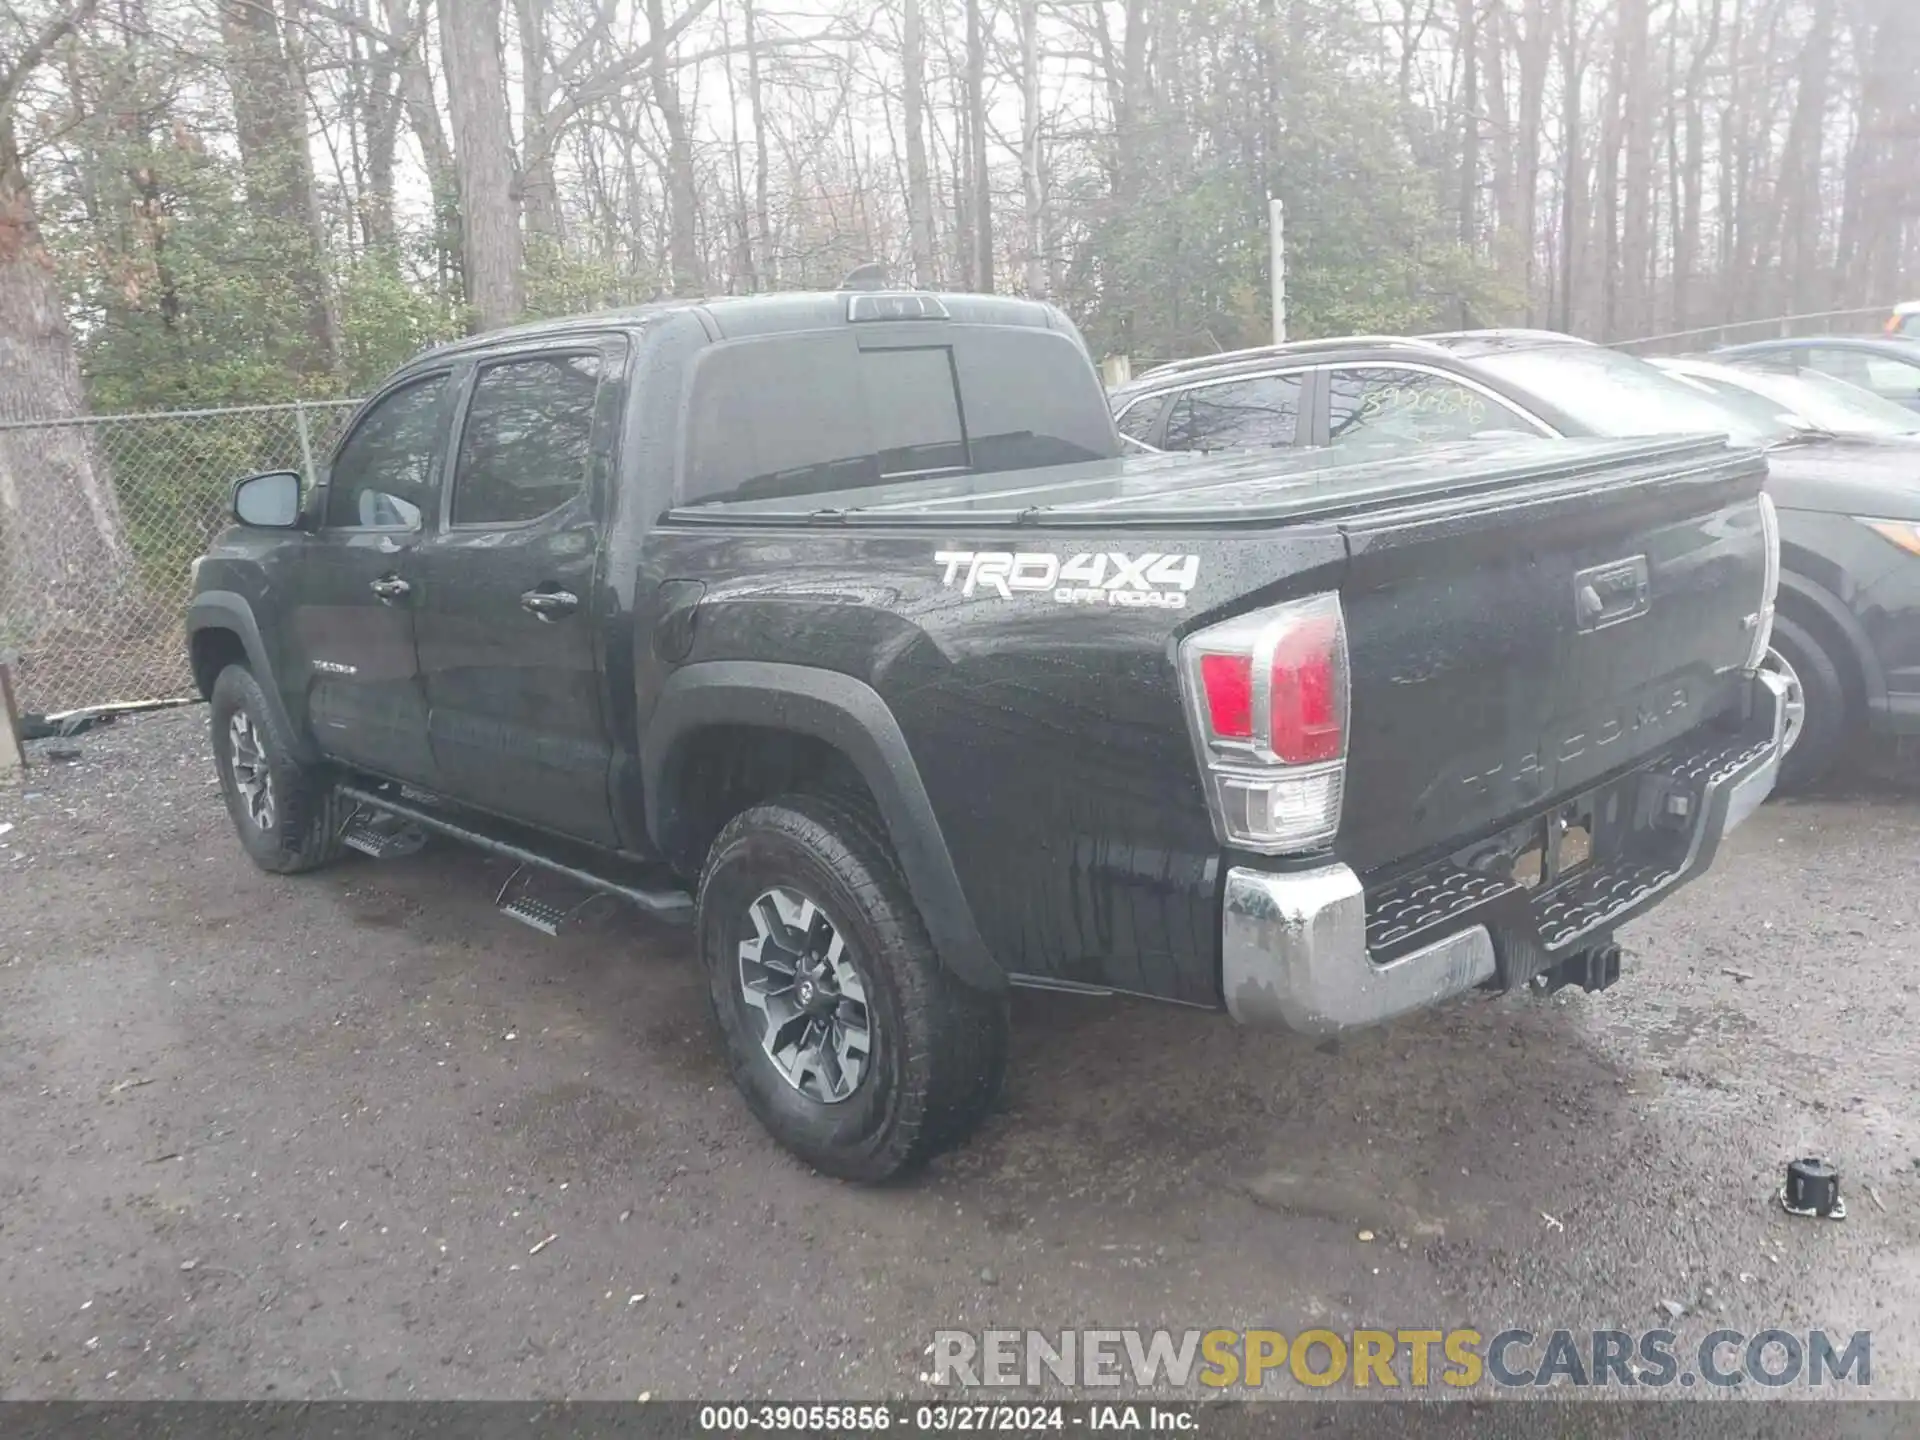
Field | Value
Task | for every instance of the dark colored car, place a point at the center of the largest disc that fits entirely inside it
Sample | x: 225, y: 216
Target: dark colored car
x: 1847, y: 636
x: 1808, y: 399
x: 835, y: 625
x: 1889, y: 367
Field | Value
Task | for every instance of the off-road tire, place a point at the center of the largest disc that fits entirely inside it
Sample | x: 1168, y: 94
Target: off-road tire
x: 939, y: 1045
x: 304, y: 833
x: 1830, y: 719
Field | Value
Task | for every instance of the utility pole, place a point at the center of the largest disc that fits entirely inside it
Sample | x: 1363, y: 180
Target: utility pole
x: 1277, y: 240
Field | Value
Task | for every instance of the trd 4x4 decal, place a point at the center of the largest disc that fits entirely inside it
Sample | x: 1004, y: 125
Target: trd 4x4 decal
x: 1099, y: 577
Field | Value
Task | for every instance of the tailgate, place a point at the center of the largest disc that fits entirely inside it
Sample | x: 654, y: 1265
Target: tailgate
x: 1512, y: 647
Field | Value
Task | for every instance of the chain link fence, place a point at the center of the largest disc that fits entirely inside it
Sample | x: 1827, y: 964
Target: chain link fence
x: 101, y: 519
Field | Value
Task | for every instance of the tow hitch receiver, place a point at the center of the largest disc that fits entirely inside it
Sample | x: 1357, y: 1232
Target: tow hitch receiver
x: 1594, y: 968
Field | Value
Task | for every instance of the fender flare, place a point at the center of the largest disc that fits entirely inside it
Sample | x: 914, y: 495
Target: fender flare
x: 849, y: 715
x: 1829, y: 607
x: 227, y: 610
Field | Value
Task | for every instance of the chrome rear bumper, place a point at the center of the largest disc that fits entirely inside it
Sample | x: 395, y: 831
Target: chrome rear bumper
x: 1294, y: 946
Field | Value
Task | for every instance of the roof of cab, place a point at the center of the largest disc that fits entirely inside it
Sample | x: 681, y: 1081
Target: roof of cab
x: 734, y: 317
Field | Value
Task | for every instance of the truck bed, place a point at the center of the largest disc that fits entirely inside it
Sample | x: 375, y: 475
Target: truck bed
x: 1257, y: 489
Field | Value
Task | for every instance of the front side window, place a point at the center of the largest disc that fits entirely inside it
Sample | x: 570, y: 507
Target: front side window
x: 1260, y: 411
x: 382, y: 476
x: 527, y: 439
x: 1412, y: 407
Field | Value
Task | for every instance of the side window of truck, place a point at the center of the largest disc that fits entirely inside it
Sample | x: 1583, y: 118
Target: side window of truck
x: 382, y: 476
x: 527, y: 438
x: 1261, y: 411
x: 804, y: 414
x: 1412, y: 407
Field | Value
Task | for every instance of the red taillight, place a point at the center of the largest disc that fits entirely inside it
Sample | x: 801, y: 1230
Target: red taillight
x: 1266, y: 697
x: 1228, y: 683
x: 1308, y: 694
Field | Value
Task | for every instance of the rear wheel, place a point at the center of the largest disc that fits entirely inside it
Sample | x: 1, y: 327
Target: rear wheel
x: 1820, y: 712
x: 851, y: 1041
x: 285, y: 812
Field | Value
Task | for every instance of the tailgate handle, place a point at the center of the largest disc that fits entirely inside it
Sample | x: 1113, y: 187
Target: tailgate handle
x: 1607, y: 594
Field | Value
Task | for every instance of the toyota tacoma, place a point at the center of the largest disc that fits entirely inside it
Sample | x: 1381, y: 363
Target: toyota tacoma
x: 838, y: 626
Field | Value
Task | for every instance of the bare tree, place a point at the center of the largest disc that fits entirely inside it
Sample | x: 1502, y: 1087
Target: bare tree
x: 491, y: 249
x: 982, y: 199
x: 913, y: 101
x: 269, y: 102
x: 683, y: 200
x: 1032, y: 176
x: 63, y: 550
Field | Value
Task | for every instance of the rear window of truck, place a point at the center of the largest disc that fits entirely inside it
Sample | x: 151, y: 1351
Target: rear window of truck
x: 803, y: 414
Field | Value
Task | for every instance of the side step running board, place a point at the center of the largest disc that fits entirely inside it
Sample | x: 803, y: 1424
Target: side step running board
x: 366, y: 835
x: 668, y: 904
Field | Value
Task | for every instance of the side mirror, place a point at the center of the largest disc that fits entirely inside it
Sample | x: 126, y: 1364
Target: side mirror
x: 268, y: 502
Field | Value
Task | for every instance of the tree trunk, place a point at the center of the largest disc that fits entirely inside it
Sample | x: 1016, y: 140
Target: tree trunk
x: 1033, y: 178
x: 1636, y: 108
x: 1686, y: 238
x: 762, y: 211
x: 1731, y: 159
x: 63, y: 551
x: 490, y: 245
x: 1607, y: 190
x: 1467, y: 50
x: 1573, y: 174
x: 683, y: 200
x: 271, y: 128
x: 381, y: 121
x: 539, y: 191
x: 977, y: 145
x: 913, y: 99
x: 1802, y: 276
x: 1495, y: 27
x: 1536, y: 55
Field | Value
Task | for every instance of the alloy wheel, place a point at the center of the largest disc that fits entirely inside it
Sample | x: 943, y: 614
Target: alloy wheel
x: 797, y: 972
x: 1796, y: 703
x: 251, y: 776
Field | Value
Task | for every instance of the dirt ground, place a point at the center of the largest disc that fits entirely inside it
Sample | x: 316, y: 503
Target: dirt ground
x: 305, y: 1137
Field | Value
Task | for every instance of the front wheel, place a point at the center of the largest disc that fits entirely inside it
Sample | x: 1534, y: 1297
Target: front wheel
x: 285, y: 812
x: 852, y: 1043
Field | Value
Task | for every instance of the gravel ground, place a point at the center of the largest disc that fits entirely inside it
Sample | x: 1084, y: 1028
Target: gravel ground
x: 354, y: 1134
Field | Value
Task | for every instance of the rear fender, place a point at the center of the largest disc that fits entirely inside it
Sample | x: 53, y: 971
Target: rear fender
x: 850, y: 716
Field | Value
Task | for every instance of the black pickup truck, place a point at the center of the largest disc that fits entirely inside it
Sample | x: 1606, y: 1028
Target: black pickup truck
x: 839, y: 625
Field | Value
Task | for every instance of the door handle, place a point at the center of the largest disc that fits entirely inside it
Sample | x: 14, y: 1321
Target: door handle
x: 391, y: 588
x: 550, y: 604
